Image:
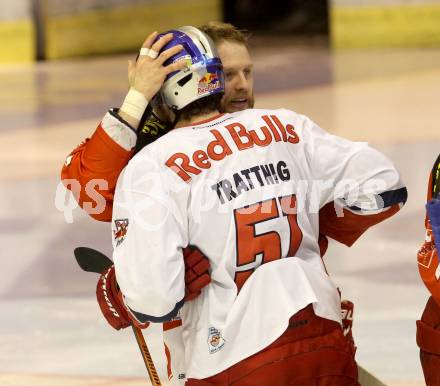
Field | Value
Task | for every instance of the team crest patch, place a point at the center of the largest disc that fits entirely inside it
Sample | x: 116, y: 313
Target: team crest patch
x: 121, y: 230
x: 209, y: 82
x: 215, y: 340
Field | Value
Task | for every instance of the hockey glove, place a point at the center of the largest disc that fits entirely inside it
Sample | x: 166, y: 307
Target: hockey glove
x: 110, y: 301
x: 196, y: 272
x: 109, y: 295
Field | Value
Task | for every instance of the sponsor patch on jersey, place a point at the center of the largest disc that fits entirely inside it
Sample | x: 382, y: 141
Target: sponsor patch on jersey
x: 209, y: 82
x: 215, y: 340
x: 121, y: 230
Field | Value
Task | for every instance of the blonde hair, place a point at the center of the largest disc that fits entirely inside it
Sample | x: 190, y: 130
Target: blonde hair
x: 219, y: 31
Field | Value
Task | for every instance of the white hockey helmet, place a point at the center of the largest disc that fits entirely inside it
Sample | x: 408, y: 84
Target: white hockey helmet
x: 202, y: 77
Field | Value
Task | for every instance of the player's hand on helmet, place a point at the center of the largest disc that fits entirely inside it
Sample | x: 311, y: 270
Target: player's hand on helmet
x: 111, y: 304
x: 196, y: 272
x: 148, y: 73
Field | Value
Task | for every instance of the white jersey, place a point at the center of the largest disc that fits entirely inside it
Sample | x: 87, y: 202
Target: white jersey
x: 246, y: 189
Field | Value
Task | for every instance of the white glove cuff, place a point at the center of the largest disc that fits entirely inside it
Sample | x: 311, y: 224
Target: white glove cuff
x: 134, y: 104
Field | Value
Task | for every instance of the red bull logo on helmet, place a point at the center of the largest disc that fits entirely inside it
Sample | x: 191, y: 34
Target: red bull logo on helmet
x: 208, y: 82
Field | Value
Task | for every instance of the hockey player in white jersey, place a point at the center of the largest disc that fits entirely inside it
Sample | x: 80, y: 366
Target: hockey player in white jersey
x: 248, y: 189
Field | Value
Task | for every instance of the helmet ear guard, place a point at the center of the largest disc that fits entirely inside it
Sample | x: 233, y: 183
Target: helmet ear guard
x: 203, y: 75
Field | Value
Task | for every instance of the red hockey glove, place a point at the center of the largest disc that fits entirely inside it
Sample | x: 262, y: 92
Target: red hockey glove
x: 428, y: 339
x: 109, y: 295
x: 110, y: 301
x: 196, y: 272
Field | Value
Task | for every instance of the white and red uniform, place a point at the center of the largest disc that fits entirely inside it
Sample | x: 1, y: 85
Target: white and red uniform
x: 248, y: 189
x: 102, y: 158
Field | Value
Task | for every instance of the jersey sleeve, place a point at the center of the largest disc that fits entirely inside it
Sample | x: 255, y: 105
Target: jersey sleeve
x: 358, y: 186
x: 150, y: 229
x: 97, y: 163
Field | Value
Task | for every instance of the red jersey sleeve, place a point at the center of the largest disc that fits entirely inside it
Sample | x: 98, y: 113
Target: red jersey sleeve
x: 350, y: 226
x: 96, y: 165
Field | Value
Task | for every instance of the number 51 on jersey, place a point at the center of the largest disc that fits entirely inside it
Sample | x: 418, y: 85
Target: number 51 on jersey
x: 255, y: 247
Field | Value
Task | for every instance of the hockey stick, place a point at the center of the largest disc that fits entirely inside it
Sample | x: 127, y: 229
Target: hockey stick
x: 155, y: 380
x: 91, y: 260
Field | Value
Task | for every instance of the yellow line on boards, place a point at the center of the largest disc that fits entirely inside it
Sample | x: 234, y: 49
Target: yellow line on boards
x: 122, y: 29
x: 17, y: 41
x: 385, y: 26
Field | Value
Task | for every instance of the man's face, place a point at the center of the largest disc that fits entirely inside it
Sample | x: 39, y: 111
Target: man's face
x: 239, y: 80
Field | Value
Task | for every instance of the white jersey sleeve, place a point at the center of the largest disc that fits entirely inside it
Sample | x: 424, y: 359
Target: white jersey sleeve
x: 149, y: 231
x: 352, y: 173
x: 354, y: 185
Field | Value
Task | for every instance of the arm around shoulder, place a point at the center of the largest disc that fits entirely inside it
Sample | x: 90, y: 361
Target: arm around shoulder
x: 96, y: 164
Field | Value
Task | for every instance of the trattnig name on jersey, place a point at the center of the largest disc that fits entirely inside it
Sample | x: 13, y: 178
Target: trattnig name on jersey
x: 251, y: 178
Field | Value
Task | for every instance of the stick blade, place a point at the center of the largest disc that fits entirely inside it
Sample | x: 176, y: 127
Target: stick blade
x: 91, y: 260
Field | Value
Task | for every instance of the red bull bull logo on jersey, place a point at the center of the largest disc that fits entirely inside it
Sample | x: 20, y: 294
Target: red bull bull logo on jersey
x: 208, y: 82
x: 120, y: 231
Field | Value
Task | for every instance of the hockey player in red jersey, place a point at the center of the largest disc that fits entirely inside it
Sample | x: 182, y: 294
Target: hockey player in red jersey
x: 231, y: 185
x: 428, y: 328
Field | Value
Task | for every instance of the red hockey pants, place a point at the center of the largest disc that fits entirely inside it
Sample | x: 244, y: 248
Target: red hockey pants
x: 311, y: 352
